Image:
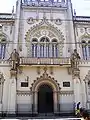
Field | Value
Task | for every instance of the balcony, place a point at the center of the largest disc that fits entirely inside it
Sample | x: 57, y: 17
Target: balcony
x: 44, y: 61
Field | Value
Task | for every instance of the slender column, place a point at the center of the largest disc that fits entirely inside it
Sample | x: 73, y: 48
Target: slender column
x: 55, y: 102
x: 17, y: 23
x: 35, y: 102
x: 86, y: 92
x: 77, y: 91
x: 12, y: 96
x: 1, y: 97
x: 5, y: 96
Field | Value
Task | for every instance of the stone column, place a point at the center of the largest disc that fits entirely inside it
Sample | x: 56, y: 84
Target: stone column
x: 35, y: 109
x: 12, y: 93
x: 77, y: 88
x: 1, y: 89
x: 86, y: 93
x: 55, y: 102
x: 17, y: 23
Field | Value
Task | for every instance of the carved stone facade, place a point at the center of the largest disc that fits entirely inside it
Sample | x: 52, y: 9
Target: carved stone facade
x: 46, y: 59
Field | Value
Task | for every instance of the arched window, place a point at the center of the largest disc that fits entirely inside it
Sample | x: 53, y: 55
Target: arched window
x: 84, y: 50
x: 54, y: 48
x: 2, y: 48
x: 34, y: 47
x: 44, y: 47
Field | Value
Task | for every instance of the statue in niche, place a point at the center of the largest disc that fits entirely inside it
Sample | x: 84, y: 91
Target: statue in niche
x: 75, y: 59
x: 15, y: 59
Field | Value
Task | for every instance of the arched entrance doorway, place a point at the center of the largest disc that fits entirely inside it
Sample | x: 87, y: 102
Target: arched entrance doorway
x: 46, y: 88
x: 45, y: 99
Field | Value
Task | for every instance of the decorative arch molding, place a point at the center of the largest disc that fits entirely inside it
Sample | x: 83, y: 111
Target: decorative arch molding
x: 45, y: 79
x: 44, y: 25
x: 48, y: 80
x: 44, y: 29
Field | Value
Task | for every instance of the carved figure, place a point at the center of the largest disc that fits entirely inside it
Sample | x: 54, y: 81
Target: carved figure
x: 14, y: 57
x: 75, y: 59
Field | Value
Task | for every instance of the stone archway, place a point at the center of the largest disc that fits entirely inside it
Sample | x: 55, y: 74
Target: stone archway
x: 45, y: 79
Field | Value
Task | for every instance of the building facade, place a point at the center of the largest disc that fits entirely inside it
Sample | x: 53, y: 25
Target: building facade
x: 44, y: 58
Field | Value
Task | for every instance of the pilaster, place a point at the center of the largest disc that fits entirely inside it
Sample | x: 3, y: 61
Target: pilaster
x: 17, y: 23
x: 12, y: 93
x: 77, y: 87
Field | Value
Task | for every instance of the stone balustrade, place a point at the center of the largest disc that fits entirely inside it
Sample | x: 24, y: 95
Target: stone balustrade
x: 44, y: 61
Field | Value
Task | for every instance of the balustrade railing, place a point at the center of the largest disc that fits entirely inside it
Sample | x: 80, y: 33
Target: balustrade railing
x: 44, y: 61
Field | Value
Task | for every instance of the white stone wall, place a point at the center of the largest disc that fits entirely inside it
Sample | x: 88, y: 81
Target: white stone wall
x: 60, y: 73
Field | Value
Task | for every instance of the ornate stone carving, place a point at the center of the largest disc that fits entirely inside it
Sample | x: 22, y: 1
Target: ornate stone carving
x: 51, y: 32
x: 43, y: 78
x: 58, y: 21
x: 76, y: 73
x: 13, y: 73
x: 38, y: 70
x: 1, y: 78
x: 38, y: 34
x: 14, y: 58
x: 51, y: 35
x: 75, y: 58
x: 30, y: 20
x: 41, y: 26
x: 23, y: 93
x: 51, y: 70
x: 87, y: 77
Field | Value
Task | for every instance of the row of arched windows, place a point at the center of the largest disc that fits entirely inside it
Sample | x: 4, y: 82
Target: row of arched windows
x: 44, y: 48
x: 86, y: 50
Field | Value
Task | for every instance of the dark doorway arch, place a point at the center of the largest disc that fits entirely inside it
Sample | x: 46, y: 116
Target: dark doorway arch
x: 45, y: 99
